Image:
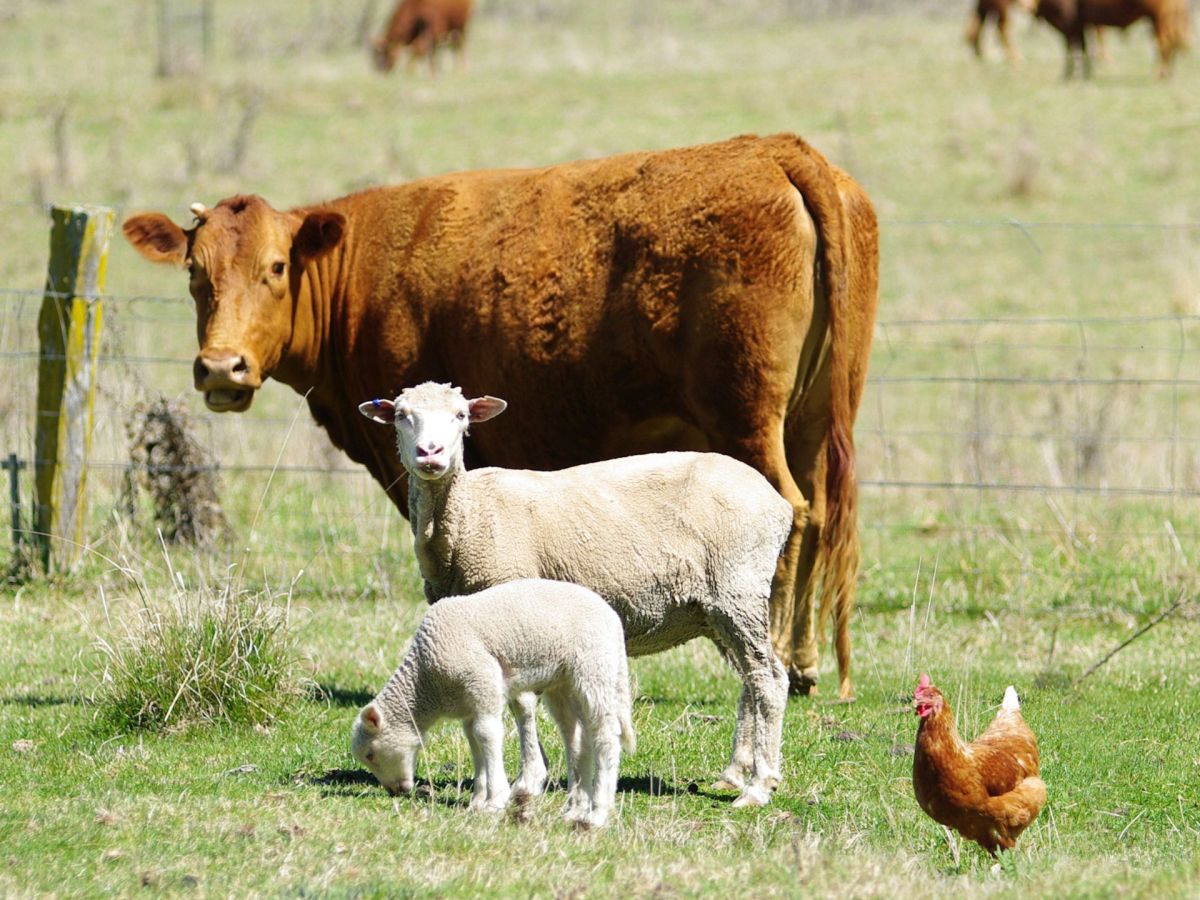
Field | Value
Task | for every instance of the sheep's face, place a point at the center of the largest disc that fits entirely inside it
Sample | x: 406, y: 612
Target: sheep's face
x: 430, y: 421
x: 388, y: 747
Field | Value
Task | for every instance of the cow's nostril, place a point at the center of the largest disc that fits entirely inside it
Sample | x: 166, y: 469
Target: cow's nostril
x: 241, y: 367
x: 199, y: 370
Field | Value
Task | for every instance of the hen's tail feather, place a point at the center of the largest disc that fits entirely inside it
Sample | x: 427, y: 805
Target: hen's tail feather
x: 1011, y: 702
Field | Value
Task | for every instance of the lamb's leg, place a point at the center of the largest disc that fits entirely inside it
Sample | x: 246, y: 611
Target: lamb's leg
x: 488, y: 729
x: 564, y: 716
x: 531, y: 780
x: 479, y: 787
x: 605, y: 732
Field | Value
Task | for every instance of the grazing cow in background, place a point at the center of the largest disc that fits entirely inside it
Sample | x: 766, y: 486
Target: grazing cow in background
x: 997, y: 11
x: 719, y: 297
x: 1072, y: 18
x: 421, y: 25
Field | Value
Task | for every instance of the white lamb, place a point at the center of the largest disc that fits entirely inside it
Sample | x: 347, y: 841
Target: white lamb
x: 681, y: 545
x: 473, y: 654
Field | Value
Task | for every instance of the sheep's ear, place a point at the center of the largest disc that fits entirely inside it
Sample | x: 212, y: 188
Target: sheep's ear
x: 484, y: 408
x: 371, y: 718
x: 382, y: 411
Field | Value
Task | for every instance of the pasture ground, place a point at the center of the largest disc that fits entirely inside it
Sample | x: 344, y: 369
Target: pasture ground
x: 981, y: 589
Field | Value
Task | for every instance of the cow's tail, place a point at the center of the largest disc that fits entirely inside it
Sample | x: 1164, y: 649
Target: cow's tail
x: 836, y: 568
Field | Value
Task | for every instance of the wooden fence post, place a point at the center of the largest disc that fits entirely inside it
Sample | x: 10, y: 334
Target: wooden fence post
x: 69, y: 335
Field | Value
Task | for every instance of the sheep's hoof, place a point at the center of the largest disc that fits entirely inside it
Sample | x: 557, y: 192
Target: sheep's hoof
x: 804, y: 682
x: 725, y: 784
x: 753, y: 796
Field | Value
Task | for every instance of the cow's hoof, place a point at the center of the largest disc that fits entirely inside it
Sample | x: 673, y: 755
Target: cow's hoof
x: 804, y: 682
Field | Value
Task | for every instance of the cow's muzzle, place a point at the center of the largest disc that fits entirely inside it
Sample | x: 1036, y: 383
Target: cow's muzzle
x: 227, y: 380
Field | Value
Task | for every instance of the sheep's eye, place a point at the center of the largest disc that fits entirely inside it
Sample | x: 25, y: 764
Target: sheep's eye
x: 462, y: 415
x: 278, y: 269
x: 370, y: 757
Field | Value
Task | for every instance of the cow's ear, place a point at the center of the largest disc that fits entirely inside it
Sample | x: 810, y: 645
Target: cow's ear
x: 484, y: 408
x: 157, y: 238
x: 382, y: 411
x: 319, y: 233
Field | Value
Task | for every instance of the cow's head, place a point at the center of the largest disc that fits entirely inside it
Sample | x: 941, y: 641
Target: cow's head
x: 245, y: 260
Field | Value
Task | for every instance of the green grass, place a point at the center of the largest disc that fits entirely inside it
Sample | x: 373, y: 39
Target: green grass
x: 285, y: 808
x: 979, y: 587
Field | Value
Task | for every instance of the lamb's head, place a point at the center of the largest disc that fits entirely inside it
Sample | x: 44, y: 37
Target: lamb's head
x: 430, y: 421
x: 387, y: 744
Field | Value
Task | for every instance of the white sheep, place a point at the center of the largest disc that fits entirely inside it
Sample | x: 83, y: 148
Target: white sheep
x: 472, y: 654
x: 681, y: 545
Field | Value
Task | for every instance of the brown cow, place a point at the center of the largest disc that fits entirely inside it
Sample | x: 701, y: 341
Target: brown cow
x: 1072, y: 18
x: 716, y: 297
x: 421, y: 25
x: 996, y: 10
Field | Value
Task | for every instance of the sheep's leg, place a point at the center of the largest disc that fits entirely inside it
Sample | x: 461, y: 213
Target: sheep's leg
x: 765, y: 688
x: 479, y: 787
x: 742, y: 760
x: 569, y: 727
x: 531, y: 780
x: 488, y: 729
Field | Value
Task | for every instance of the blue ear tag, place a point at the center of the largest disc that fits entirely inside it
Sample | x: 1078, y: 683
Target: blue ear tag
x: 375, y: 403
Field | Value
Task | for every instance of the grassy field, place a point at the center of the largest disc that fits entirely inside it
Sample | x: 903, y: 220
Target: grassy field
x: 1063, y: 214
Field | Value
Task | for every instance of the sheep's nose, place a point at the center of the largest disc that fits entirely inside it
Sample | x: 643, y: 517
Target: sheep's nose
x: 430, y: 448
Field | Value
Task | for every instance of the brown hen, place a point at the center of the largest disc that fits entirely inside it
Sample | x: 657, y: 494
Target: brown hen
x: 988, y: 790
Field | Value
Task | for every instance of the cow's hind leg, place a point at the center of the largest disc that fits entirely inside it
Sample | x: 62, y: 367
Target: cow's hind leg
x: 975, y: 30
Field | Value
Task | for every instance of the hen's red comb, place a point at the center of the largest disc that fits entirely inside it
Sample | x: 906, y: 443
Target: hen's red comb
x: 924, y: 683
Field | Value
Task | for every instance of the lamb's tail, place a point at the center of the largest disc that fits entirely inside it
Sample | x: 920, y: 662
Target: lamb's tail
x: 625, y: 709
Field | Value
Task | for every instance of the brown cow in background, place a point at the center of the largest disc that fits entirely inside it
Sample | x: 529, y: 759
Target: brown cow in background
x: 1072, y: 18
x: 719, y: 297
x: 997, y: 11
x: 422, y: 25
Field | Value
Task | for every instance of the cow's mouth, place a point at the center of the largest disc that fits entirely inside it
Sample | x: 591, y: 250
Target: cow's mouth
x: 227, y: 400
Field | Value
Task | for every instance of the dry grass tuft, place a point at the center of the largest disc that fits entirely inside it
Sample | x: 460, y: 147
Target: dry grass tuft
x: 207, y: 656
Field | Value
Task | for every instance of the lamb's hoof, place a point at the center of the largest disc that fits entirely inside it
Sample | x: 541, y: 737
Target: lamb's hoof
x: 521, y: 808
x: 753, y: 795
x: 804, y: 682
x: 525, y: 790
x: 730, y: 780
x: 596, y: 819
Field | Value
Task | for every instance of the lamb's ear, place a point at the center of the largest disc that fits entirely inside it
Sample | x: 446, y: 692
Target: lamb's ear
x: 381, y: 411
x: 484, y: 408
x: 371, y: 718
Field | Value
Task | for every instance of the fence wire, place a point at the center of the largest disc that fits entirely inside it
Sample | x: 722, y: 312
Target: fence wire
x: 1014, y: 427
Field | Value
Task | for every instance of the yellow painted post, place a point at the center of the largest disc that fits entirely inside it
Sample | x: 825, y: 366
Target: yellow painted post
x: 69, y: 335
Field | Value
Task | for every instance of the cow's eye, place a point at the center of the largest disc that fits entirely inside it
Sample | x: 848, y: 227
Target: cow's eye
x: 277, y: 269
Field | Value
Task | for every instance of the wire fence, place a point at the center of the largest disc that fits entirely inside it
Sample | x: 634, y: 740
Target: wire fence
x: 1020, y: 427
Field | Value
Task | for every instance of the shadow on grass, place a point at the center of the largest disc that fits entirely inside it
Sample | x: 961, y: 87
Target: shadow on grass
x: 36, y: 700
x: 343, y: 697
x: 349, y: 782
